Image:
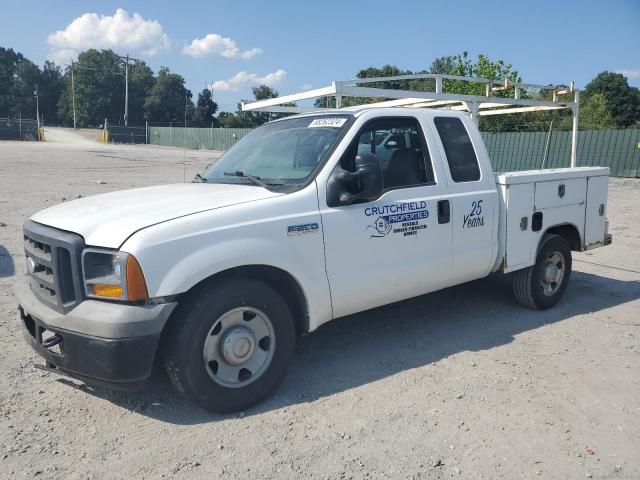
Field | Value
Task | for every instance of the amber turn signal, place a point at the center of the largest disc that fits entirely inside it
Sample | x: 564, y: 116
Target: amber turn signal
x: 106, y: 290
x: 136, y: 285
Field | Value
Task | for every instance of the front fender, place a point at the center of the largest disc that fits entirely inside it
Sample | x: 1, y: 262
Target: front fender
x: 177, y: 255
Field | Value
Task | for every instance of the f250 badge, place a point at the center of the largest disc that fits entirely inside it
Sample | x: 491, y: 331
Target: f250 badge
x: 474, y: 218
x: 294, y: 230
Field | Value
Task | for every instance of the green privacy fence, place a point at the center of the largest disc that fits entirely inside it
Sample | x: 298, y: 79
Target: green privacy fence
x: 617, y: 149
x: 199, y: 138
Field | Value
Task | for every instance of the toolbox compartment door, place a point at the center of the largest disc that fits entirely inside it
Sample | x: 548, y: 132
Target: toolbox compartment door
x: 560, y: 193
x: 519, y: 236
x: 596, y: 211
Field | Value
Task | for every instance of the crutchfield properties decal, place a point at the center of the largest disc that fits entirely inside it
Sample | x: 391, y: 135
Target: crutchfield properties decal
x: 404, y: 219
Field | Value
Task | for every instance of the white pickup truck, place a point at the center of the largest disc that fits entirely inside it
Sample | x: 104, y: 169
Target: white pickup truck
x: 306, y: 219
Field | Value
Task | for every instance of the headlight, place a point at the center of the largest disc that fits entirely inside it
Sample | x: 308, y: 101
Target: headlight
x: 113, y: 275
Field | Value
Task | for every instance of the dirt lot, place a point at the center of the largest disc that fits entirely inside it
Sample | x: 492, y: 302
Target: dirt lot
x: 463, y: 383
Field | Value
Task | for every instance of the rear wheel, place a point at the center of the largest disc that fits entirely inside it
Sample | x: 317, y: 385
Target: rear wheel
x: 542, y: 285
x: 230, y: 344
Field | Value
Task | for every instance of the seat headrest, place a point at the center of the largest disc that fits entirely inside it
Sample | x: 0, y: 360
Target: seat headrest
x: 406, y: 157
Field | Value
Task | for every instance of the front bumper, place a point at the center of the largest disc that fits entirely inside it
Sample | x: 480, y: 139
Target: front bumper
x: 102, y: 343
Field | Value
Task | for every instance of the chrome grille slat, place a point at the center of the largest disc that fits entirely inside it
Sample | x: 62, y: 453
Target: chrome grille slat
x: 39, y: 255
x: 45, y: 278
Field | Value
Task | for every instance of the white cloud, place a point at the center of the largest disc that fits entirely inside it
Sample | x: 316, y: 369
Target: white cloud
x: 629, y: 73
x: 121, y: 31
x: 218, y: 46
x: 62, y: 56
x: 245, y: 79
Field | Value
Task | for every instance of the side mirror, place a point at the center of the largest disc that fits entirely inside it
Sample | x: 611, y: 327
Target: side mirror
x: 363, y: 185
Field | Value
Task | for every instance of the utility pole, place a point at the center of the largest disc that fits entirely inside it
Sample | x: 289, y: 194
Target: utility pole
x: 126, y: 59
x: 126, y: 91
x: 73, y: 96
x: 186, y: 99
x: 35, y: 93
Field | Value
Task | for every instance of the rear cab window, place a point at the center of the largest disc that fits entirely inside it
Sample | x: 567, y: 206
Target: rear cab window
x: 458, y: 148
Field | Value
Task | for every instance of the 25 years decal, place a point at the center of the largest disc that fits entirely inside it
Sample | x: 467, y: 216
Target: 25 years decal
x: 404, y: 219
x: 474, y: 218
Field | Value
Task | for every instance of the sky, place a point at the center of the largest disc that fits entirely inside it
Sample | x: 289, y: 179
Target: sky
x: 231, y: 46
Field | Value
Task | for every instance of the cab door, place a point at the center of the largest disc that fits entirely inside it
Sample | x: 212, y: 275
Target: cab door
x: 474, y: 198
x: 396, y: 246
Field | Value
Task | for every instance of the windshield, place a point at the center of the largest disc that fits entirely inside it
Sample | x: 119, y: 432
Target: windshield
x: 279, y: 153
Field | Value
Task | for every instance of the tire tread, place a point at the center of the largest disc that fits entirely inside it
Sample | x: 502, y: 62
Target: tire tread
x: 524, y: 279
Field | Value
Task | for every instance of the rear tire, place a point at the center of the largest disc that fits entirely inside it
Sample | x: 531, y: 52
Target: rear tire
x: 229, y: 344
x: 542, y: 285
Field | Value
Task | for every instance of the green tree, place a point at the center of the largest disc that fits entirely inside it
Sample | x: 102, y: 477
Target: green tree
x: 99, y: 89
x: 205, y: 109
x: 50, y: 87
x: 483, y: 67
x: 461, y: 65
x: 26, y: 77
x: 230, y: 120
x: 9, y: 62
x: 255, y: 119
x: 141, y: 82
x: 623, y: 101
x: 99, y: 79
x: 18, y: 79
x: 443, y: 65
x: 168, y: 99
x: 263, y: 92
x: 595, y: 113
x: 371, y: 72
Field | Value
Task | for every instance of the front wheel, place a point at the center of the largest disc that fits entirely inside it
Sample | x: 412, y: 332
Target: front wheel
x: 230, y: 344
x: 542, y: 285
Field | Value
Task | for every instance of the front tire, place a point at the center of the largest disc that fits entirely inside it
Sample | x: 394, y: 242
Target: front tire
x: 229, y: 344
x: 542, y: 285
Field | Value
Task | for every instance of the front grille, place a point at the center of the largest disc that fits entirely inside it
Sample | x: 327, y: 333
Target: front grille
x: 53, y: 258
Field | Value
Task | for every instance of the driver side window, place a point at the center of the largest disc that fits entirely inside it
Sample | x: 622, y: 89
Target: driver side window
x: 397, y: 145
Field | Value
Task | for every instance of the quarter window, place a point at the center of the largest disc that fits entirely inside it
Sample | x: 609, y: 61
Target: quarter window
x: 463, y: 163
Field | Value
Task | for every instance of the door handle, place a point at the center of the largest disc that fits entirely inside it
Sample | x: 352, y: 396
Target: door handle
x: 444, y: 211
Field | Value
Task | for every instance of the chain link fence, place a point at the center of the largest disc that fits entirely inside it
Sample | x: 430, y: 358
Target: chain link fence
x: 128, y: 134
x: 18, y: 129
x: 618, y: 149
x: 198, y: 138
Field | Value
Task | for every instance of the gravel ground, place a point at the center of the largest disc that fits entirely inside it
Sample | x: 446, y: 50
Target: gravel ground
x: 463, y: 383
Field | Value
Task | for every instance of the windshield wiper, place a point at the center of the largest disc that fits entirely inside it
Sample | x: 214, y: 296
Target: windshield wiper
x: 199, y: 179
x: 252, y: 178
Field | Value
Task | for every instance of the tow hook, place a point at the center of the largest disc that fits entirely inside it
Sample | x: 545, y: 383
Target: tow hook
x: 51, y: 342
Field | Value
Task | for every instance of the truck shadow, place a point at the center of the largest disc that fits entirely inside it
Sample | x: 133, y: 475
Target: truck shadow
x: 7, y: 268
x: 372, y: 345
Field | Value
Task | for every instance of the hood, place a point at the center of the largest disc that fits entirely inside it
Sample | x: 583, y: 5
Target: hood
x: 107, y: 220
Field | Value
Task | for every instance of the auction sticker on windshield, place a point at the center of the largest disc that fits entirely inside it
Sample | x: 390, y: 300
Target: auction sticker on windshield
x: 328, y: 122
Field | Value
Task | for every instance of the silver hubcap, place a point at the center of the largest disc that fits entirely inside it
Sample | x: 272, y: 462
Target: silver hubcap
x: 552, y: 273
x: 239, y: 347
